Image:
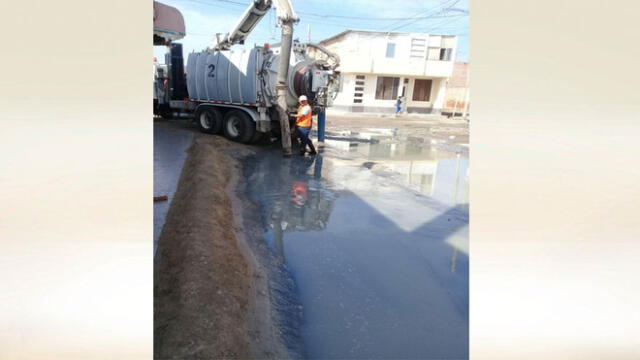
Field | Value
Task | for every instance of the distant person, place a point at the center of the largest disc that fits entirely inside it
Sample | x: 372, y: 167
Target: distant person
x: 303, y: 125
x: 398, y: 105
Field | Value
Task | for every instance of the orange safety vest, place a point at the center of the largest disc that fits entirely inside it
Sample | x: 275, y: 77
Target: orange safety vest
x: 303, y: 120
x: 299, y: 192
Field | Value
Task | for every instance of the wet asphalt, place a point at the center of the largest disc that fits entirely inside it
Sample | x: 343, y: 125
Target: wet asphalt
x: 381, y: 266
x: 171, y: 139
x: 375, y: 236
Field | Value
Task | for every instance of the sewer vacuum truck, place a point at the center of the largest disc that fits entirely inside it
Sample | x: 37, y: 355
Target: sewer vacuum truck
x: 237, y: 92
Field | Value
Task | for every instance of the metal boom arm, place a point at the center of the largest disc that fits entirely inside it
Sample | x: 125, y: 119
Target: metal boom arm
x: 247, y: 22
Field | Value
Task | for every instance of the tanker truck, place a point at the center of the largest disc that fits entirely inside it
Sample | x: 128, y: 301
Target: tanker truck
x: 234, y: 92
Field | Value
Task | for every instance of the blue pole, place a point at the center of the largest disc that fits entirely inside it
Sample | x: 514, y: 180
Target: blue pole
x: 317, y: 170
x: 321, y: 123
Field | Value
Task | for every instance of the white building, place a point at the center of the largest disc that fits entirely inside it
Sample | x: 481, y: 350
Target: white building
x: 380, y: 66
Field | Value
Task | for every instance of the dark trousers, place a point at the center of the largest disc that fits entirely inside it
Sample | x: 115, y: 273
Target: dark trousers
x: 303, y: 133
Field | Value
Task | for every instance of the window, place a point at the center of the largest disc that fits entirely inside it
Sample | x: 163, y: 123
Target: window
x: 387, y: 88
x: 357, y: 95
x: 359, y: 88
x: 441, y: 48
x: 359, y: 77
x: 391, y: 50
x: 357, y: 101
x: 445, y: 54
x: 360, y: 82
x: 422, y: 90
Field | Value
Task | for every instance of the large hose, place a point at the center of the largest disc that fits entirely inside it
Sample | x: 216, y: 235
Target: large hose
x: 330, y: 54
x: 281, y: 86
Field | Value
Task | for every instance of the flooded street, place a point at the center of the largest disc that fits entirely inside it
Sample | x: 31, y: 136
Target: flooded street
x: 374, y: 232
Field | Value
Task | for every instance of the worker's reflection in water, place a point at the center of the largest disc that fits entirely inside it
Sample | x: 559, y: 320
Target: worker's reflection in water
x: 307, y: 205
x: 300, y: 193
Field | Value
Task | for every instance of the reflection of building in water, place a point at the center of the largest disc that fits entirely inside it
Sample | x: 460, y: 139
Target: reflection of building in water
x: 300, y: 201
x: 441, y: 174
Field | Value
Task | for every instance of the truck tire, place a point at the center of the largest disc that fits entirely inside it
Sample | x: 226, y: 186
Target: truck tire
x: 257, y: 137
x: 166, y: 113
x: 162, y: 110
x: 209, y: 120
x: 238, y: 126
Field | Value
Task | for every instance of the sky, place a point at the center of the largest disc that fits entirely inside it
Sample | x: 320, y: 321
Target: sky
x: 204, y: 18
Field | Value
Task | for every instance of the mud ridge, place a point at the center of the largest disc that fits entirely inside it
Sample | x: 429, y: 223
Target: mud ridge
x: 210, y: 291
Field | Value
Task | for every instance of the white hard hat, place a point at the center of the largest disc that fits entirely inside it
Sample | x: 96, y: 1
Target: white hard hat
x: 302, y: 98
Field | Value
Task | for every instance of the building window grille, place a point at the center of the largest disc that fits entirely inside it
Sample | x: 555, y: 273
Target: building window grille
x: 387, y: 88
x: 422, y: 90
x: 358, y: 90
x: 418, y: 48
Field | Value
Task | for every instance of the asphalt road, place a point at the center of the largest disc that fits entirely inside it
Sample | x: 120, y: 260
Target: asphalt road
x: 375, y: 238
x: 171, y: 139
x: 381, y: 268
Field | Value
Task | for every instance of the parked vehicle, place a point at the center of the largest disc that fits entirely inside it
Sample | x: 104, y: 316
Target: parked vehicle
x: 233, y: 92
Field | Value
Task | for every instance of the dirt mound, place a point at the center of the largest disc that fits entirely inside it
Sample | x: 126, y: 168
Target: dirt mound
x: 209, y: 291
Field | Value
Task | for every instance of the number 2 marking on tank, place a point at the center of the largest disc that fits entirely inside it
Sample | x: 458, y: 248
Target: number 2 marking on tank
x: 212, y: 69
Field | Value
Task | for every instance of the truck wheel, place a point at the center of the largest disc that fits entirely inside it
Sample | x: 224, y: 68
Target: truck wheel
x: 162, y: 110
x: 166, y: 113
x: 257, y: 137
x: 238, y: 126
x: 209, y: 120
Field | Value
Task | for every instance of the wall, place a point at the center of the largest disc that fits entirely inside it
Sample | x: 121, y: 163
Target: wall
x: 344, y: 100
x: 455, y: 97
x: 365, y: 54
x: 456, y: 92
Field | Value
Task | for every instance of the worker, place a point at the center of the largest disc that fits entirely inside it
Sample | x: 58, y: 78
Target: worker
x: 303, y: 125
x: 398, y: 105
x: 300, y: 193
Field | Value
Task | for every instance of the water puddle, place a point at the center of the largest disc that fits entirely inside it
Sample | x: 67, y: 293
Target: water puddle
x: 434, y: 167
x: 378, y: 252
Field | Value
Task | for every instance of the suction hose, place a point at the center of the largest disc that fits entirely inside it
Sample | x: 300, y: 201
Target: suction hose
x: 330, y: 54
